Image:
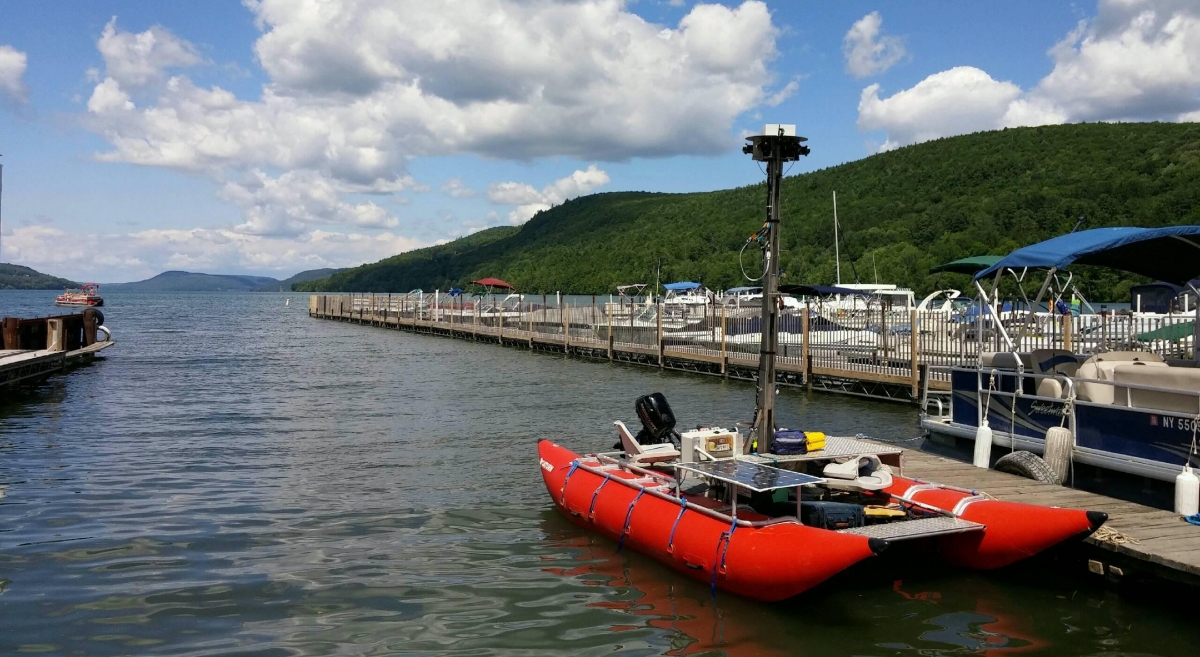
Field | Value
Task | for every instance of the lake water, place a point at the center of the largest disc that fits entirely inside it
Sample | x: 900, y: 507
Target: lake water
x: 234, y: 478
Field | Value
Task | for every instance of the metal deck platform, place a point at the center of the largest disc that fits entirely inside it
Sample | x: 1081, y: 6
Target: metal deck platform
x: 919, y: 528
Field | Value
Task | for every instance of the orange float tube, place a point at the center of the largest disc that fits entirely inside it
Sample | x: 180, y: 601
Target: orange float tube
x: 1013, y: 531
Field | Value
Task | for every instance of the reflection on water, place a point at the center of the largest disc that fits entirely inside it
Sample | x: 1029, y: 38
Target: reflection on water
x: 234, y: 478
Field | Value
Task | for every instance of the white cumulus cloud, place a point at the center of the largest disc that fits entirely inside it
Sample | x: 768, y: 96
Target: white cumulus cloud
x: 455, y: 188
x: 530, y: 201
x: 133, y: 60
x: 1137, y: 60
x: 867, y: 51
x: 12, y: 73
x: 295, y: 201
x: 963, y: 99
x: 358, y: 88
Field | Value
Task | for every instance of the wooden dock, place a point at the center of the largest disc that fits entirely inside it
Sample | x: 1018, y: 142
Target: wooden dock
x: 35, y: 348
x: 1137, y: 543
x: 573, y: 331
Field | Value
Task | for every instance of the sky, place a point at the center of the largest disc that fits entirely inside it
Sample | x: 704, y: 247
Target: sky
x: 269, y: 137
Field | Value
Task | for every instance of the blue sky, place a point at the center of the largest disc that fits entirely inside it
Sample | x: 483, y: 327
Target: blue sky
x: 278, y: 135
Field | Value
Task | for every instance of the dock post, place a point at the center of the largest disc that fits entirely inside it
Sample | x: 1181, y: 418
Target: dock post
x: 500, y: 323
x: 565, y: 311
x: 530, y: 311
x: 609, y: 313
x: 724, y: 354
x: 661, y: 307
x: 912, y: 352
x: 804, y: 354
x: 474, y: 322
x: 1066, y: 329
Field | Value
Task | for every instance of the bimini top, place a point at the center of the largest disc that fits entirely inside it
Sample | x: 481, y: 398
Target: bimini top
x: 739, y: 290
x: 493, y: 282
x: 970, y: 266
x: 1169, y: 254
x: 685, y: 285
x: 820, y: 290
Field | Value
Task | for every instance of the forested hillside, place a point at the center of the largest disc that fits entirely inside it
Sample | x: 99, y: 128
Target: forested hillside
x: 900, y: 213
x: 19, y: 277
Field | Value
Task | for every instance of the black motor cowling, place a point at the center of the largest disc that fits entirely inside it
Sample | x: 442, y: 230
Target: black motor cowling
x: 658, y: 421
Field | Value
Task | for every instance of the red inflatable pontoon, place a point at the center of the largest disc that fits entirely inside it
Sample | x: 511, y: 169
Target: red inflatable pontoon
x: 770, y: 559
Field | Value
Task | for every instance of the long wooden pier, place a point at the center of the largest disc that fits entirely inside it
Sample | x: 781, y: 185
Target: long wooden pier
x: 1138, y: 543
x: 574, y: 332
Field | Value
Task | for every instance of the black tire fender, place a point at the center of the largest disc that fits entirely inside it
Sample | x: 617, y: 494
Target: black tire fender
x: 1028, y: 465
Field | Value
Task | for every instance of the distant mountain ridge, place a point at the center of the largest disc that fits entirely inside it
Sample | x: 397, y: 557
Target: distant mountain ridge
x: 186, y: 281
x: 309, y: 275
x: 19, y: 277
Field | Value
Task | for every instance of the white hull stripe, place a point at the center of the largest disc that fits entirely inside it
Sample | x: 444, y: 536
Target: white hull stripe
x: 967, y: 501
x: 916, y: 488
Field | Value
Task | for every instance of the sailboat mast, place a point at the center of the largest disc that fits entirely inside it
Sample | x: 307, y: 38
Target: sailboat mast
x: 837, y: 256
x: 777, y: 145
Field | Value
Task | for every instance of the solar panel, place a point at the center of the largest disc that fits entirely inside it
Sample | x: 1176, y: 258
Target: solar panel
x: 754, y: 476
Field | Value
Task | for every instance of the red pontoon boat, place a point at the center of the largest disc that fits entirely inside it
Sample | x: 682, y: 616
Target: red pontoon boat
x: 88, y: 295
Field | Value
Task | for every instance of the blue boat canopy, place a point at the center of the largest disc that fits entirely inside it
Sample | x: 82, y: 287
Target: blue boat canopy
x: 1170, y: 254
x: 685, y: 285
x: 820, y: 290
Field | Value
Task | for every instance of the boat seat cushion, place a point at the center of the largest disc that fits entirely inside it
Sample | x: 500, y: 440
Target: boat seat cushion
x: 1125, y: 356
x: 640, y: 453
x: 1184, y: 380
x: 1005, y: 360
x: 1050, y: 388
x: 1054, y: 361
x: 1101, y: 366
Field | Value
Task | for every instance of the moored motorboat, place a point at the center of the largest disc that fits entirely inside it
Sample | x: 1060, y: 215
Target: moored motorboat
x: 88, y: 295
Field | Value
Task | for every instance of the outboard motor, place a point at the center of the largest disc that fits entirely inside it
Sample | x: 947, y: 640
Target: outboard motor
x: 658, y: 421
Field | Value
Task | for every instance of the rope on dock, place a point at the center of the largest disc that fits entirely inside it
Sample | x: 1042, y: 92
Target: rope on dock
x: 1110, y: 535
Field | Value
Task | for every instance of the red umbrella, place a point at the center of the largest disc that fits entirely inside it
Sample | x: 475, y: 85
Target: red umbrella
x: 493, y: 282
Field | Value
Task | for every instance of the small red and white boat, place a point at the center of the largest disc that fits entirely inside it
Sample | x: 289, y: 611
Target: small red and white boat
x: 88, y: 295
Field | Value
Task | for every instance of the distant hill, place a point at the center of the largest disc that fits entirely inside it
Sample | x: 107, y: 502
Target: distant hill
x: 310, y: 275
x: 184, y: 281
x: 16, y: 277
x: 900, y: 212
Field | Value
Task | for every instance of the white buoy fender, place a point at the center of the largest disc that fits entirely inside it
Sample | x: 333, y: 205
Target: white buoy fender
x: 1059, y: 445
x: 983, y: 446
x: 1187, y: 492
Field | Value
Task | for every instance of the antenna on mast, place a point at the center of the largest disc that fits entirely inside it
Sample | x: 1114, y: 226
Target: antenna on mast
x: 777, y: 144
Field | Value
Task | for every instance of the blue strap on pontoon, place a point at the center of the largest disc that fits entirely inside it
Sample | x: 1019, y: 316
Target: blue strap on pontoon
x: 562, y: 492
x: 628, y: 517
x: 1193, y: 519
x: 592, y: 508
x: 671, y: 538
x: 727, y: 537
